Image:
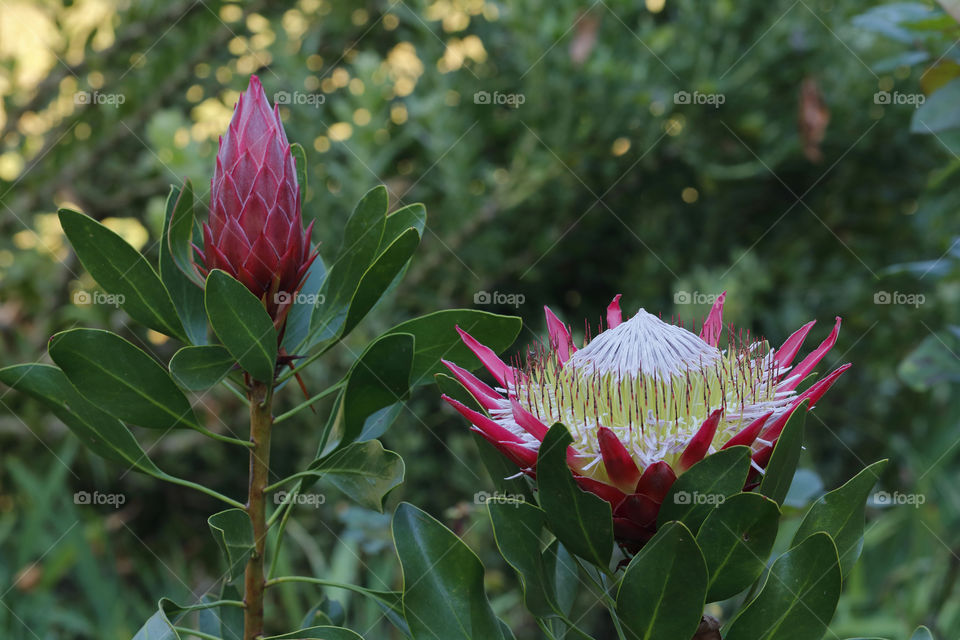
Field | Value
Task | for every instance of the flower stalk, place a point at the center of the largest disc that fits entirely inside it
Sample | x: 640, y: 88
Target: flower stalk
x: 261, y: 421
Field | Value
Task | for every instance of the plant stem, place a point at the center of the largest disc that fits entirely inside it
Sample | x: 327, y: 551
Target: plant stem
x: 261, y: 399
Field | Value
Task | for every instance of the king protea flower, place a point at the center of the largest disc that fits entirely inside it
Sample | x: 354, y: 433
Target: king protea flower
x: 644, y: 400
x: 255, y: 231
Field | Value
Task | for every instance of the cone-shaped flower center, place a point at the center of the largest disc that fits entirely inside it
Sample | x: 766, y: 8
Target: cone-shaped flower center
x: 653, y: 384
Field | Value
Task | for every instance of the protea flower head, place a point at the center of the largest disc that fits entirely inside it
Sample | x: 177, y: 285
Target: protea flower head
x: 643, y: 400
x: 255, y: 231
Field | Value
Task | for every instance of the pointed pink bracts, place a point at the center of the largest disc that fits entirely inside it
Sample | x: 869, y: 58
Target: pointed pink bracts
x: 255, y: 229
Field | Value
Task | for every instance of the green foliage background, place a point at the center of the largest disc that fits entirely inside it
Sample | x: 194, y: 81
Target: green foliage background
x: 595, y: 182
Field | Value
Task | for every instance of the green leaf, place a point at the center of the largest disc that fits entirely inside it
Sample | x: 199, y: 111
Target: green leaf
x: 921, y: 633
x: 300, y: 160
x: 102, y: 433
x: 208, y: 620
x: 233, y: 533
x: 939, y: 111
x: 365, y: 471
x: 177, y: 273
x: 121, y: 270
x: 121, y: 379
x: 704, y: 485
x: 736, y: 539
x: 199, y: 368
x: 412, y: 216
x: 231, y: 618
x: 379, y: 378
x: 582, y: 521
x: 301, y: 311
x: 180, y: 231
x: 516, y: 529
x: 157, y: 627
x: 798, y: 598
x: 319, y: 633
x: 840, y: 513
x: 242, y: 324
x: 438, y: 339
x: 443, y: 596
x: 359, y: 249
x: 661, y: 595
x: 778, y: 475
x: 376, y: 280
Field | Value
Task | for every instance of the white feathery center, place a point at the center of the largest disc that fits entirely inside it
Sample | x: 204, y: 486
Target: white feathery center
x: 648, y: 345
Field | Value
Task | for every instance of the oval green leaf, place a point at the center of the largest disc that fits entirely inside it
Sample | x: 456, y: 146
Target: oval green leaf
x: 798, y: 598
x: 242, y: 324
x: 736, y: 539
x: 176, y: 270
x: 438, y: 339
x: 364, y: 471
x: 517, y: 527
x: 840, y: 513
x: 661, y: 595
x: 705, y: 485
x: 582, y: 521
x: 121, y: 379
x: 101, y: 432
x: 443, y: 593
x: 199, y: 368
x: 778, y: 475
x: 121, y: 270
x: 233, y: 532
x: 379, y: 378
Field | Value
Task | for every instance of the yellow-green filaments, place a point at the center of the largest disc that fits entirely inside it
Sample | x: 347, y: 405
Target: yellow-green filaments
x: 653, y: 384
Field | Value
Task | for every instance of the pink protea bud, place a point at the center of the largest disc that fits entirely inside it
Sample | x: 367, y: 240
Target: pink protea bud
x: 255, y: 231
